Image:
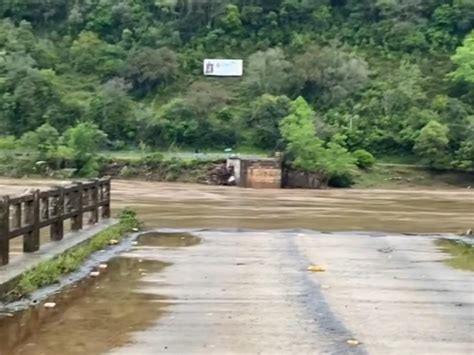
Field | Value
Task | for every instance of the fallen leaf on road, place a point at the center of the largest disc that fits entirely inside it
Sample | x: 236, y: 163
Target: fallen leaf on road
x: 316, y: 268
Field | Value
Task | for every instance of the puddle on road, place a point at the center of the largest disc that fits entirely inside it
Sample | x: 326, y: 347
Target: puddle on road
x: 91, y: 317
x: 170, y: 240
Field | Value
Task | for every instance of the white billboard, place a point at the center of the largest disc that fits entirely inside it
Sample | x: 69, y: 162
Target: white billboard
x: 223, y: 67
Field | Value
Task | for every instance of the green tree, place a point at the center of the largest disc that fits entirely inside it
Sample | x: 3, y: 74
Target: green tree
x: 231, y: 20
x: 432, y: 143
x: 174, y: 124
x: 83, y: 142
x: 464, y: 59
x: 309, y: 153
x: 42, y: 141
x: 331, y: 73
x: 268, y: 72
x: 89, y: 54
x: 148, y: 68
x: 264, y: 118
x: 113, y: 111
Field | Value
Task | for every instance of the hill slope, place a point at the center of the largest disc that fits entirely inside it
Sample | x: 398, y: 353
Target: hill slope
x: 381, y: 75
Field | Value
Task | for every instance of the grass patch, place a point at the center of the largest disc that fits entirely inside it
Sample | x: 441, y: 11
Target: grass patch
x: 181, y: 154
x: 462, y: 253
x: 49, y: 272
x: 398, y: 177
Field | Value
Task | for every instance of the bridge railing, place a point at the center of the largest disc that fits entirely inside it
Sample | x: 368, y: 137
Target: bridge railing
x: 25, y: 215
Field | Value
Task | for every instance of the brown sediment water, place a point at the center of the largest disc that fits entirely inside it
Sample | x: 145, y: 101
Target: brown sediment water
x: 197, y: 206
x: 101, y: 312
x: 176, y: 205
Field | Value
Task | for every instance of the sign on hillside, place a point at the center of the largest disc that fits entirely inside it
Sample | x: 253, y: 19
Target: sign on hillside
x: 223, y: 67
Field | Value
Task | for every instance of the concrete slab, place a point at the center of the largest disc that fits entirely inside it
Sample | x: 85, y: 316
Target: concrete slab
x: 11, y: 272
x: 251, y: 293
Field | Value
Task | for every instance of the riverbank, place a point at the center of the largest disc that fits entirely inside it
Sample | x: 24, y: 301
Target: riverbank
x: 380, y: 176
x: 209, y: 169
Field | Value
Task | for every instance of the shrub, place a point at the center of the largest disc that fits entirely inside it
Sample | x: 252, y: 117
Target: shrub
x: 342, y: 180
x: 8, y: 143
x: 364, y: 159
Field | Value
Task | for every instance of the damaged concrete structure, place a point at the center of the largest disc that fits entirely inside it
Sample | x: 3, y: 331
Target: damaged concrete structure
x: 258, y: 173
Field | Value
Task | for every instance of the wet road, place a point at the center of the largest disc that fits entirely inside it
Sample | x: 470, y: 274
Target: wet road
x: 255, y: 296
x: 233, y: 292
x: 249, y: 291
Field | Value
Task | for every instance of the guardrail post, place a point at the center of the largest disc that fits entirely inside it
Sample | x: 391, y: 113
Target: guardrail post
x: 95, y: 202
x: 17, y: 215
x: 106, y: 187
x: 4, y: 230
x: 77, y: 219
x: 31, y: 240
x: 57, y: 227
x: 44, y: 208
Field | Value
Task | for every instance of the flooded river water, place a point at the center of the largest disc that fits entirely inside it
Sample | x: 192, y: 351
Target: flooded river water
x: 199, y: 206
x: 142, y: 287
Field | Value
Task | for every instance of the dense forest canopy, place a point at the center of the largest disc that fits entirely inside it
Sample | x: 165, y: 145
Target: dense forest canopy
x: 393, y: 77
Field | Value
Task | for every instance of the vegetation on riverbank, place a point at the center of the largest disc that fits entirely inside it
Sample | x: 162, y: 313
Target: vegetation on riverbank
x: 202, y: 168
x: 462, y: 254
x: 49, y: 272
x: 404, y: 176
x: 386, y: 77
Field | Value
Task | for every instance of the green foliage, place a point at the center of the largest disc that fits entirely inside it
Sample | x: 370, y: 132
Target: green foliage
x: 378, y: 72
x: 308, y: 152
x: 464, y: 59
x: 364, y: 159
x: 432, y: 143
x: 90, y: 54
x: 265, y: 115
x: 462, y: 253
x: 465, y: 156
x: 85, y: 140
x: 50, y: 272
x: 128, y: 219
x: 331, y: 73
x: 268, y: 72
x: 8, y: 143
x: 148, y: 68
x: 42, y: 141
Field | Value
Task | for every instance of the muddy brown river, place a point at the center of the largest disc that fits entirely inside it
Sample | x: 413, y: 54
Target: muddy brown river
x: 254, y: 294
x: 198, y: 206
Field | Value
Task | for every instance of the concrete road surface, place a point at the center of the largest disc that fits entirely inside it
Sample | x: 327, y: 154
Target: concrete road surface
x: 244, y: 292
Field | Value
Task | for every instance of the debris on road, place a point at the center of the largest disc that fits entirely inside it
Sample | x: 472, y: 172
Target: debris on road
x: 103, y: 266
x: 353, y: 342
x: 94, y: 273
x: 113, y: 241
x: 316, y: 268
x: 49, y: 305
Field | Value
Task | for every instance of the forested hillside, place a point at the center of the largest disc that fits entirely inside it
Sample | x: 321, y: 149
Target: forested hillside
x: 393, y: 77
